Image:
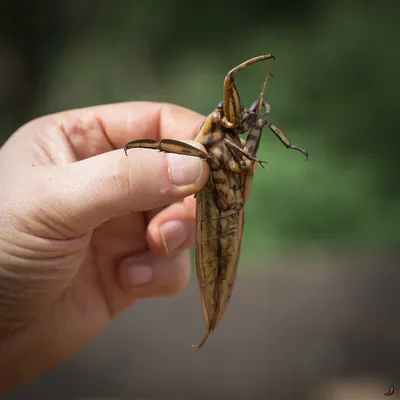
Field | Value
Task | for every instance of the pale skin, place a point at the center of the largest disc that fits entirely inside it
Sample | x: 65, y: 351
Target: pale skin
x: 85, y: 231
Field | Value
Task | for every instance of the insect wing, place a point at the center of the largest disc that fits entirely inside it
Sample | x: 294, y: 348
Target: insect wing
x: 218, y: 240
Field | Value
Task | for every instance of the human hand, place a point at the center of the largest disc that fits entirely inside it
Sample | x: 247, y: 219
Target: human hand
x: 86, y: 231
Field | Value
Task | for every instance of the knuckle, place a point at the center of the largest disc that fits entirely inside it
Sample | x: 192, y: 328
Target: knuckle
x: 85, y: 133
x: 121, y: 177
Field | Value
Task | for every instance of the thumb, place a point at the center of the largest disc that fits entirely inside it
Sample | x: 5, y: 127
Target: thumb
x: 89, y: 192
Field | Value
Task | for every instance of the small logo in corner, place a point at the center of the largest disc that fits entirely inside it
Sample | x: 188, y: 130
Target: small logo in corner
x: 390, y: 391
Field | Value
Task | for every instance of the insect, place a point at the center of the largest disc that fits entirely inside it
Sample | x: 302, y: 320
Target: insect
x: 220, y: 204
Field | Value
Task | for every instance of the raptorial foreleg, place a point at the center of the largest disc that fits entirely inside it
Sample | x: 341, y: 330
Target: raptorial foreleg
x: 168, y: 146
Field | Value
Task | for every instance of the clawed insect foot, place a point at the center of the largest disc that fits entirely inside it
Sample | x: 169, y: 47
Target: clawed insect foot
x: 245, y: 163
x: 262, y: 163
x: 305, y: 152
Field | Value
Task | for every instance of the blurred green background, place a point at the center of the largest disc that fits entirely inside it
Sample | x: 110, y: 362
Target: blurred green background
x: 335, y: 93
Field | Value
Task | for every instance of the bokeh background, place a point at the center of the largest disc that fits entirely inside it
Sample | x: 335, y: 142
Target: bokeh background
x: 314, y: 312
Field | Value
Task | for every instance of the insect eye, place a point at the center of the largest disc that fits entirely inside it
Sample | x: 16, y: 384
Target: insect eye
x: 220, y: 105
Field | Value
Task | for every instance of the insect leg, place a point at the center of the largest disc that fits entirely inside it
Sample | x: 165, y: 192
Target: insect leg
x: 279, y: 134
x: 250, y: 147
x: 232, y: 105
x: 253, y: 139
x: 235, y: 148
x: 168, y: 146
x: 256, y: 126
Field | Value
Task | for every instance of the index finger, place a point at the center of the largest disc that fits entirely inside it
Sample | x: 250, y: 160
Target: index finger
x: 82, y: 133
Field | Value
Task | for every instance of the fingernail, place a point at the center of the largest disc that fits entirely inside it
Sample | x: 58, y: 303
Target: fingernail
x: 173, y: 235
x: 139, y: 275
x: 184, y: 170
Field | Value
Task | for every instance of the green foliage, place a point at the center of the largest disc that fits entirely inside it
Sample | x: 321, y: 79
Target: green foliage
x: 335, y: 93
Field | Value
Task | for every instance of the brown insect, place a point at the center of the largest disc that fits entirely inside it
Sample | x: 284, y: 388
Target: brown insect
x: 220, y: 204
